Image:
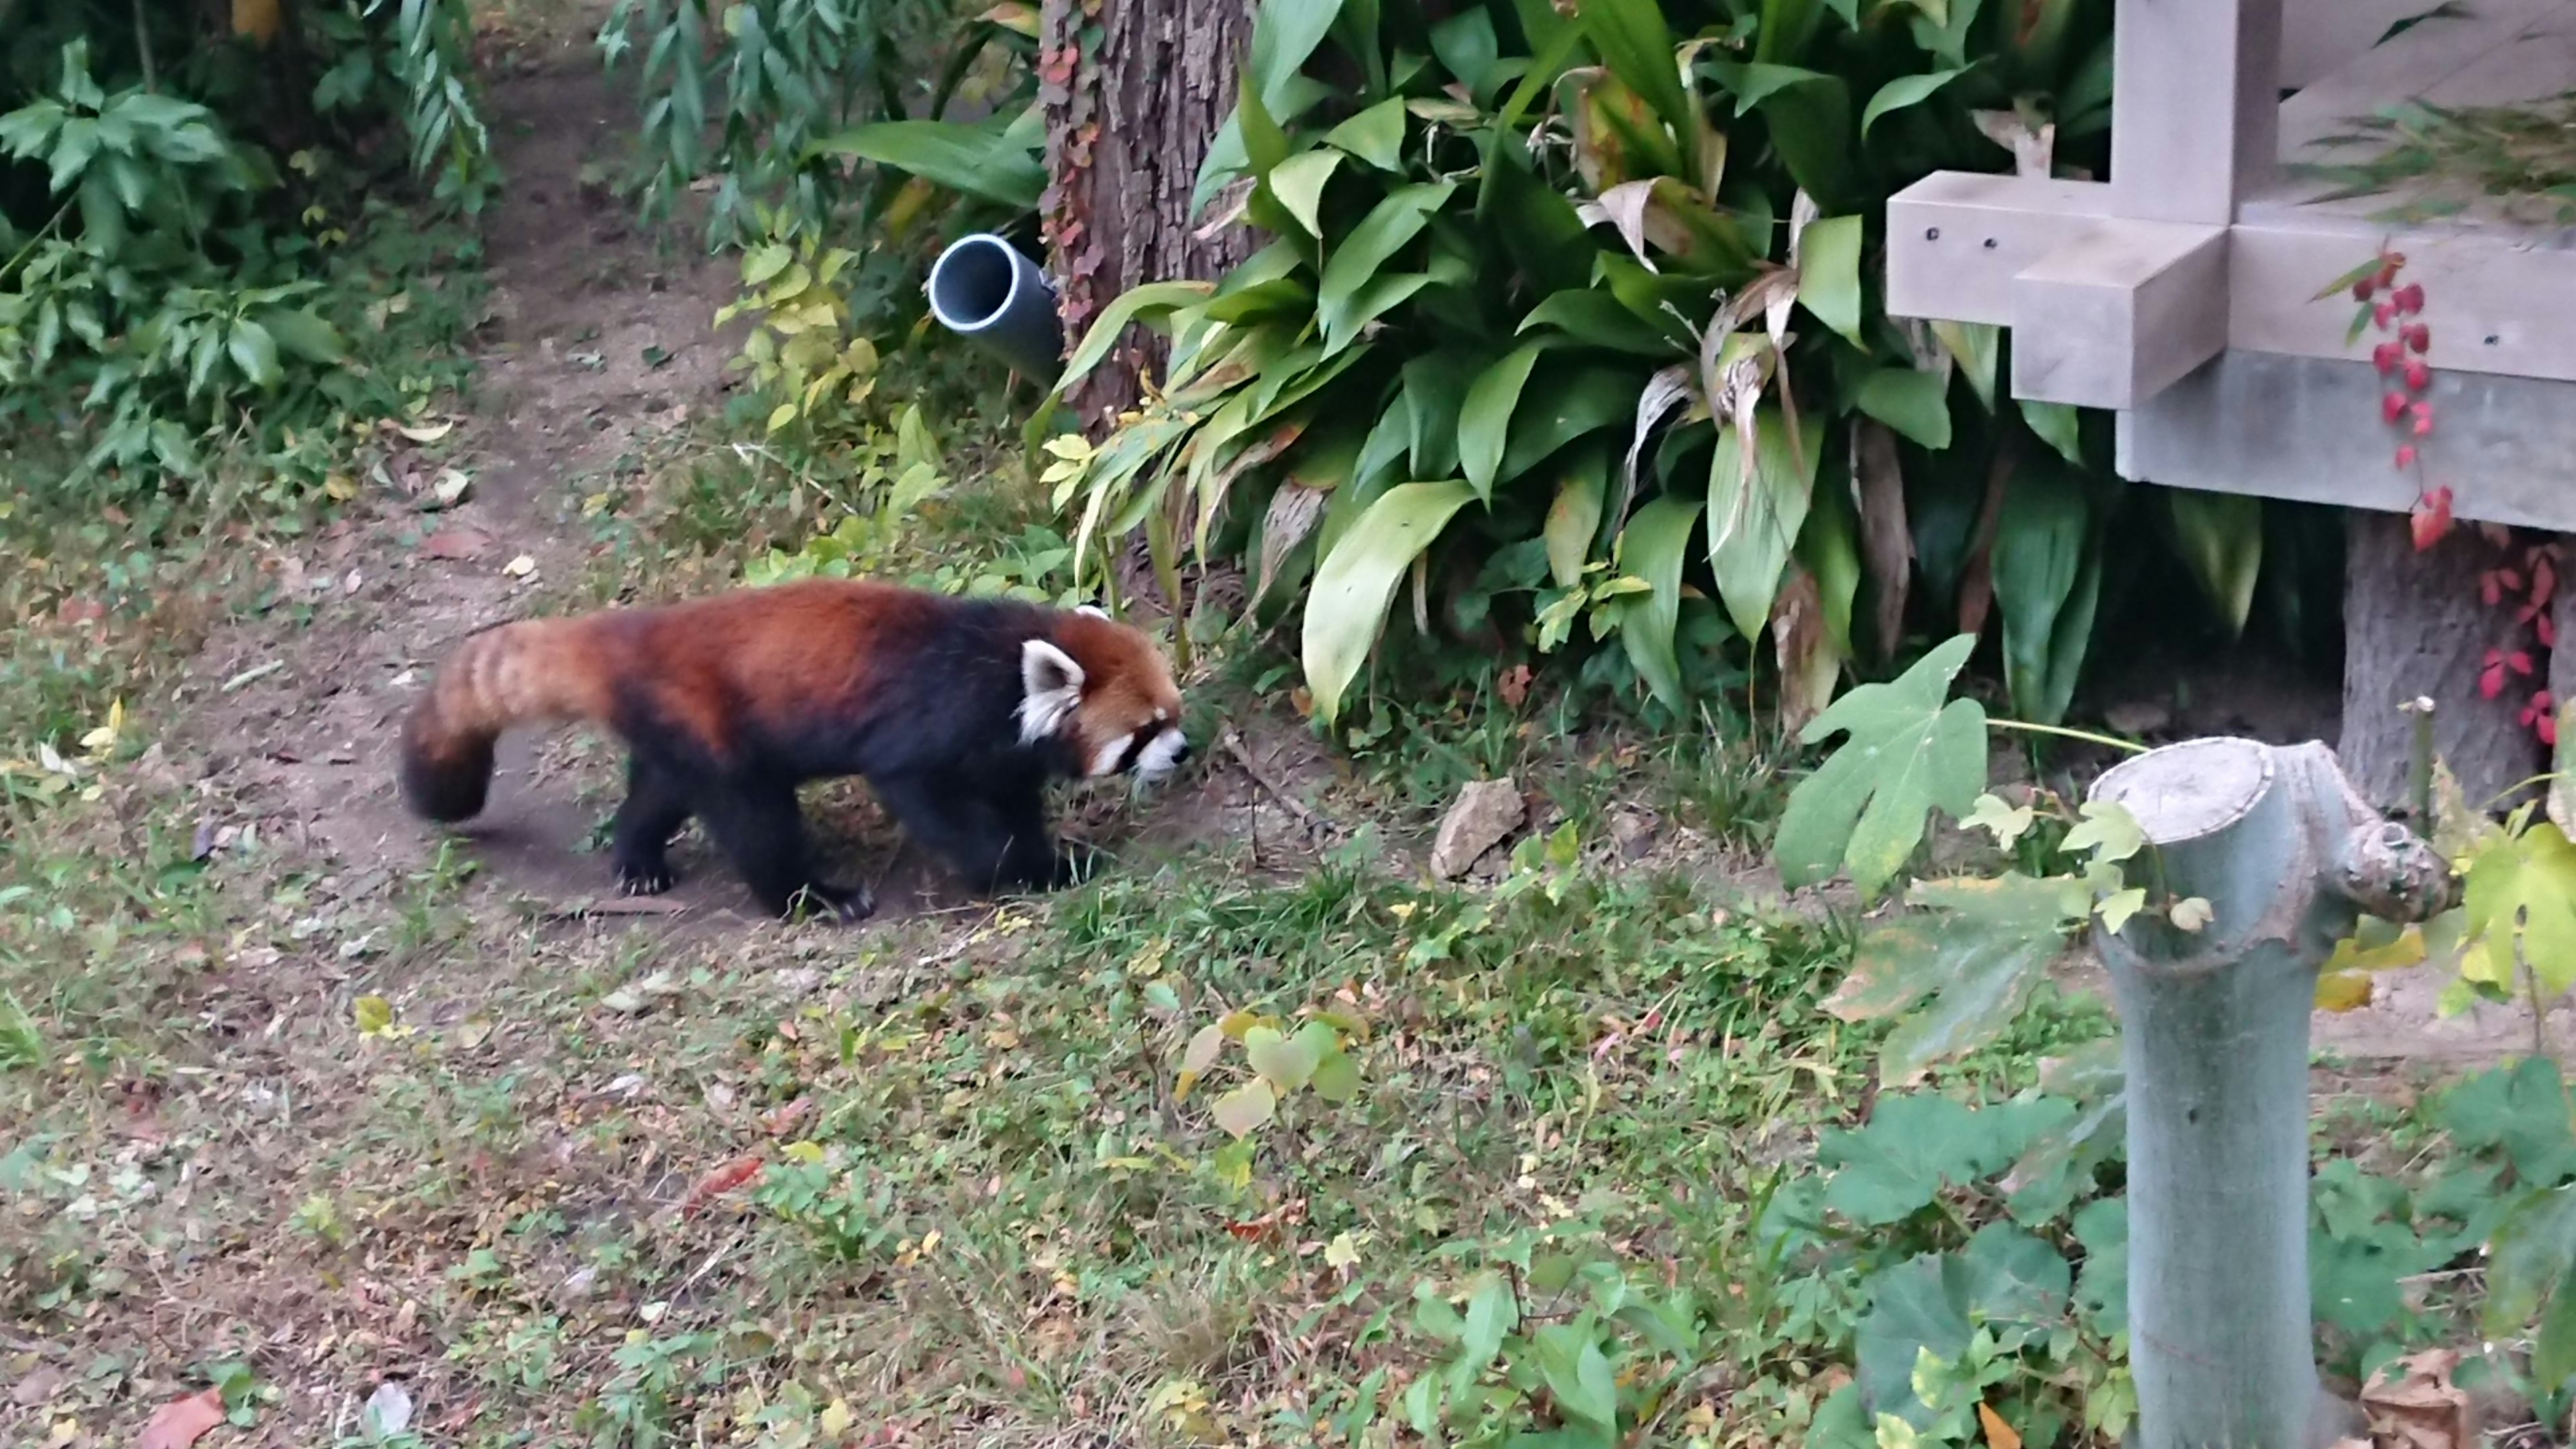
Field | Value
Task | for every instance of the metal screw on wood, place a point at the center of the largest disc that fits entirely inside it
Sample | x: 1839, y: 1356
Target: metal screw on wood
x: 2214, y: 1034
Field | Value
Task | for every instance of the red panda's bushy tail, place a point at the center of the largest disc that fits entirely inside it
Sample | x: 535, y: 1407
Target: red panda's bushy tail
x: 538, y: 669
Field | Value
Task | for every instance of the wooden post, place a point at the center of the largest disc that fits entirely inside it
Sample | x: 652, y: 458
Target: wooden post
x: 2195, y: 86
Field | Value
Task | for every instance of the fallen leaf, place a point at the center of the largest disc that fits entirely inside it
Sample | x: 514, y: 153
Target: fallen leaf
x: 182, y: 1422
x: 780, y: 1119
x: 719, y: 1182
x: 2412, y: 1404
x: 635, y: 996
x: 388, y: 1410
x: 520, y: 567
x: 1999, y: 1435
x: 37, y: 1387
x: 450, y: 489
x: 1514, y: 685
x: 427, y: 432
x: 2192, y: 913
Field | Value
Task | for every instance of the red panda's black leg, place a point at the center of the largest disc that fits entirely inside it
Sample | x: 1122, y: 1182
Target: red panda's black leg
x: 994, y: 837
x: 655, y: 807
x: 757, y: 824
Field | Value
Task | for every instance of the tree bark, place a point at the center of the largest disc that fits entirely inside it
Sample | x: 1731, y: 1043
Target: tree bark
x: 2414, y: 624
x: 1134, y: 92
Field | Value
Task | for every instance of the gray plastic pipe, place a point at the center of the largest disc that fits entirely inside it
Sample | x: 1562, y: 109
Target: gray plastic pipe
x: 2214, y: 1036
x: 985, y: 291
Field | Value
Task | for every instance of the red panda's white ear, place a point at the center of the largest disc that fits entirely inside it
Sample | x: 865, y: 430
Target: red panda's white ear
x: 1051, y: 685
x: 1094, y: 610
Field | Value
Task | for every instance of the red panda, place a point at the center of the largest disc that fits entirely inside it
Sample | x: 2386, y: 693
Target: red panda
x: 956, y: 711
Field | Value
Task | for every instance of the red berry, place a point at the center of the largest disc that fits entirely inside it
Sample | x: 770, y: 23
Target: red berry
x: 2409, y: 298
x: 2392, y: 407
x: 2419, y: 337
x: 2383, y: 314
x: 2423, y: 419
x: 2385, y: 357
x: 2406, y: 455
x: 2362, y: 290
x: 2418, y: 376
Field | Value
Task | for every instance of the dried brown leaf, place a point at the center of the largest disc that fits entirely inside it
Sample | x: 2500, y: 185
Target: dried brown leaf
x: 182, y: 1422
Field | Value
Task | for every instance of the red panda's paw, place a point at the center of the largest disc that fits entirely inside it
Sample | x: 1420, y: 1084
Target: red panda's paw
x: 639, y: 878
x: 847, y: 905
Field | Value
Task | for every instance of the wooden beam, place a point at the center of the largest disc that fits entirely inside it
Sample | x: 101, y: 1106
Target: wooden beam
x: 2114, y: 317
x: 1956, y: 240
x: 2196, y: 108
x: 2497, y: 300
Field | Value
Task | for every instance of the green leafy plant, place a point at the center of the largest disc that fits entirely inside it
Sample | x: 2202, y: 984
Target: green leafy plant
x: 1579, y: 308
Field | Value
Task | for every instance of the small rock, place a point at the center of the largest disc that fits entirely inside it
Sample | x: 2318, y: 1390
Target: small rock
x: 1483, y: 816
x: 1633, y: 831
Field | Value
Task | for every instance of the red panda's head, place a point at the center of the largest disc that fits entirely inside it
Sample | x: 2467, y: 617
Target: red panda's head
x: 1105, y: 691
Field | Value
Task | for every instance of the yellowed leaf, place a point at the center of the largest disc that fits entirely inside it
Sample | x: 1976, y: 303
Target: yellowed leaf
x: 1999, y: 1435
x: 2343, y: 991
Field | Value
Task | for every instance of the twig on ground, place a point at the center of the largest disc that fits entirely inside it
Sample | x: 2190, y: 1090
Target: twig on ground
x: 1306, y: 814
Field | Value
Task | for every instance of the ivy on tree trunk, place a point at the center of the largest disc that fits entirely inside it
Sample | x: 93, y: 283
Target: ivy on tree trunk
x: 1134, y: 92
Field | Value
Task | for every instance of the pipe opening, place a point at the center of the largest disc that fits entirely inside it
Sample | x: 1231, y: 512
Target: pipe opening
x: 974, y: 283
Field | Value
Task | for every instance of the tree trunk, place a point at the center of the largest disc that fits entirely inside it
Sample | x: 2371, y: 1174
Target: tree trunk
x: 1134, y: 92
x: 2414, y: 624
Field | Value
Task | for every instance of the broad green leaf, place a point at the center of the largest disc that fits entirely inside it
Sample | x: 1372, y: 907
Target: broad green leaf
x: 1375, y: 135
x: 2527, y: 1275
x: 1298, y: 182
x: 2221, y: 535
x: 1577, y: 1374
x: 301, y: 334
x: 1914, y: 1308
x: 2058, y: 425
x: 1247, y: 1108
x: 1568, y: 398
x: 2048, y: 577
x: 1631, y: 39
x: 1492, y: 1313
x: 1355, y: 264
x: 1133, y: 305
x: 1977, y: 347
x: 983, y: 159
x: 2108, y: 832
x: 1753, y: 526
x: 1829, y: 273
x: 2012, y: 1277
x: 2102, y: 1288
x: 1955, y: 976
x: 1286, y: 1062
x: 1485, y: 417
x: 1808, y: 114
x: 1651, y: 547
x: 2521, y: 909
x: 1435, y: 388
x: 2520, y: 1109
x: 1284, y: 34
x: 1905, y: 91
x: 254, y: 351
x: 1574, y: 519
x: 1539, y: 228
x: 1596, y: 319
x: 1914, y: 403
x: 1337, y: 1077
x: 1916, y: 1144
x: 1347, y: 603
x: 1908, y: 754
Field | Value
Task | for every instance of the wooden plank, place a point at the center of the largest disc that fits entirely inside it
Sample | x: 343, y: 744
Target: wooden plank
x: 2196, y: 108
x: 2497, y: 300
x: 2117, y: 315
x: 2305, y: 429
x: 1956, y: 239
x: 2421, y: 58
x: 2532, y: 60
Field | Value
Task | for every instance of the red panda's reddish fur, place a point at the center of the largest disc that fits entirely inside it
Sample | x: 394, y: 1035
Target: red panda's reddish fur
x: 727, y: 702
